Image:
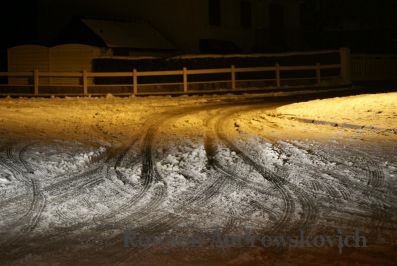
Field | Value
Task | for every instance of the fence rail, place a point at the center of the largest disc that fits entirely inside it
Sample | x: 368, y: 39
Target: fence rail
x: 36, y: 79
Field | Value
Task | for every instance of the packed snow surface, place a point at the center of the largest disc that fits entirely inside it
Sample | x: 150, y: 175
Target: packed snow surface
x: 77, y: 173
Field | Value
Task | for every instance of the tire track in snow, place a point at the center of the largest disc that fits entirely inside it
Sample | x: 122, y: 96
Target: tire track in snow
x: 16, y: 171
x: 131, y: 162
x: 341, y: 186
x: 93, y: 178
x: 78, y: 181
x: 334, y: 191
x: 166, y: 222
x: 276, y: 181
x: 149, y: 173
x: 379, y: 214
x: 70, y: 187
x: 28, y: 222
x: 201, y: 197
x: 222, y: 178
x: 309, y: 215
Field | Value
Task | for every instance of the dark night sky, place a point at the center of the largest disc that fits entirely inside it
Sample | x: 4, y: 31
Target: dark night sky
x: 374, y: 21
x: 18, y: 21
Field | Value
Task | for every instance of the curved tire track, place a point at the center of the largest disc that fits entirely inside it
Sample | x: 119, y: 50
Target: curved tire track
x: 28, y: 222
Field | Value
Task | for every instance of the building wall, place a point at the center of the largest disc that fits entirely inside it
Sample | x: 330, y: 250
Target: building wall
x: 188, y: 22
x: 229, y: 28
x: 182, y: 22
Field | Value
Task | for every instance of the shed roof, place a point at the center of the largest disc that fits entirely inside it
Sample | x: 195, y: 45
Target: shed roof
x: 128, y: 35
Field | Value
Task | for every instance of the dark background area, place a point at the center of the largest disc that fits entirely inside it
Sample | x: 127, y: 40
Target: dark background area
x: 321, y: 19
x: 18, y: 25
x: 364, y: 26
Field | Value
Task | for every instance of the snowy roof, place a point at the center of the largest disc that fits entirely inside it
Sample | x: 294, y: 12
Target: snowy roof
x: 128, y: 35
x: 128, y: 57
x: 191, y: 56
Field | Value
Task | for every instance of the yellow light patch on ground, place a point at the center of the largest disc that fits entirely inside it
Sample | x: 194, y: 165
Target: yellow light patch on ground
x: 370, y: 117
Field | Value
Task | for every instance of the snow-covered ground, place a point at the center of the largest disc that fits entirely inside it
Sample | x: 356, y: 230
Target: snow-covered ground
x: 77, y: 173
x: 371, y: 112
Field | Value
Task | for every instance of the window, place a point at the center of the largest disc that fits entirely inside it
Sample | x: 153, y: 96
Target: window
x: 245, y: 14
x: 214, y: 11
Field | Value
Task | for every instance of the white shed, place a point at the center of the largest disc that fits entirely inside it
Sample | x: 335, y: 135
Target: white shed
x: 61, y: 58
x: 72, y: 58
x: 24, y: 58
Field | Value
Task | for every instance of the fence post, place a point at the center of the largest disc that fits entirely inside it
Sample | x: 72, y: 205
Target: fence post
x: 135, y: 81
x: 185, y: 80
x: 278, y: 81
x: 346, y: 66
x: 36, y: 81
x: 233, y: 72
x: 85, y: 83
x: 318, y: 73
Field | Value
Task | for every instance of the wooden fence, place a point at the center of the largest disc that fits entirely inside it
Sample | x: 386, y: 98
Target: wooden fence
x: 136, y: 88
